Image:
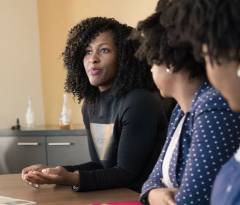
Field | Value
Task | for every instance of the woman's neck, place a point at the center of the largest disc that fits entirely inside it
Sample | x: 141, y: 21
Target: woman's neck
x: 185, y: 92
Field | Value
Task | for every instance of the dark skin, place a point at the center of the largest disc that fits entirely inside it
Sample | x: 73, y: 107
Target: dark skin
x: 100, y: 63
x: 36, y: 175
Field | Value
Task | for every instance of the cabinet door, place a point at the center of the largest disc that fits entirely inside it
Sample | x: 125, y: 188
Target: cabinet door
x: 67, y: 150
x: 19, y: 152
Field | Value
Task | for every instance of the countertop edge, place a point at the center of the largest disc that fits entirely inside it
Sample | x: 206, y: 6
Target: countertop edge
x: 4, y: 133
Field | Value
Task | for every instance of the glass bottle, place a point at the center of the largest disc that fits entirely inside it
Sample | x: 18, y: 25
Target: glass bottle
x: 65, y: 122
x: 29, y: 115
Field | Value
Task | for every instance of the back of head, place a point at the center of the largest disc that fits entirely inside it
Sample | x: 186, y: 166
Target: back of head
x: 160, y: 47
x: 132, y: 73
x: 211, y: 22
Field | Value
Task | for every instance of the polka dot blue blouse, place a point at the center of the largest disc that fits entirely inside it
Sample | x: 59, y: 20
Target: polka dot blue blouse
x: 210, y: 135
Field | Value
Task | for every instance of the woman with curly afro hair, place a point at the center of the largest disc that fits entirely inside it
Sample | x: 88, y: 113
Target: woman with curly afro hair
x: 212, y: 27
x: 122, y: 110
x: 195, y: 148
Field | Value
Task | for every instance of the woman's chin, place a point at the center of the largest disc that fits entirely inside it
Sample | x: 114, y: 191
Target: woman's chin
x: 235, y: 107
x: 164, y: 95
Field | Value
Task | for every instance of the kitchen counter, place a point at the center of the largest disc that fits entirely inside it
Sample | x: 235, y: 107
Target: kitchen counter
x: 48, y: 130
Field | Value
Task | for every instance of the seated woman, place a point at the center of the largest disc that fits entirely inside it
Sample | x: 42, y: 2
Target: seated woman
x: 221, y: 50
x: 196, y: 145
x: 122, y: 112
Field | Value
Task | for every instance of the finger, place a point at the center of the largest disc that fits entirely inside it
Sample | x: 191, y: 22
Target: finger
x: 27, y: 175
x: 54, y: 171
x: 45, y: 178
x: 33, y: 178
x: 29, y: 170
x: 170, y: 201
x: 25, y: 171
x: 37, y: 186
x: 175, y: 191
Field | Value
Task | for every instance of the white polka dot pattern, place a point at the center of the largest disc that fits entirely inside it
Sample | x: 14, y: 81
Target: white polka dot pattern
x: 210, y: 136
x: 226, y: 188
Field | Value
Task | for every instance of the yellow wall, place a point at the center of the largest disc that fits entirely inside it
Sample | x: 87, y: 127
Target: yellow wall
x: 20, y: 70
x: 56, y: 18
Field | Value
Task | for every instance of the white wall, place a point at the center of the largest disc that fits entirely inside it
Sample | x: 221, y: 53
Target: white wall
x: 20, y: 71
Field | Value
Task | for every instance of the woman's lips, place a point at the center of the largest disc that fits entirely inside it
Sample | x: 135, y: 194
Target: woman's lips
x: 95, y: 71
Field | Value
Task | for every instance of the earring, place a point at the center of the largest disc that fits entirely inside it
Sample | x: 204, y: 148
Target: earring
x: 238, y: 72
x: 168, y: 70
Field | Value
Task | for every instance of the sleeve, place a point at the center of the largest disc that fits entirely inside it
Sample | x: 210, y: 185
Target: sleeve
x: 139, y: 118
x: 155, y: 179
x: 226, y: 188
x: 154, y: 182
x: 215, y: 138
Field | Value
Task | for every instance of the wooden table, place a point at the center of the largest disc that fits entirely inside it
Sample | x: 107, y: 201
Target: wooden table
x: 12, y: 185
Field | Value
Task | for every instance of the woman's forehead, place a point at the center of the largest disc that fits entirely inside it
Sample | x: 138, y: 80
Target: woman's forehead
x: 105, y: 37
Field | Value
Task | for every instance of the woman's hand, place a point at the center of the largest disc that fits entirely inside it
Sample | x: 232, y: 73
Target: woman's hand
x: 30, y: 170
x: 162, y: 196
x: 37, y: 167
x: 57, y: 175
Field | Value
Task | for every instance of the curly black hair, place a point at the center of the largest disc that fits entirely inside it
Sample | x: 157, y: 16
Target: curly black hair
x: 132, y: 73
x: 159, y: 47
x: 211, y: 22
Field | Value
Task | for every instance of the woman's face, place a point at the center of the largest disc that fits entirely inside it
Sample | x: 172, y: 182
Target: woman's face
x: 100, y: 61
x: 162, y: 79
x: 224, y: 77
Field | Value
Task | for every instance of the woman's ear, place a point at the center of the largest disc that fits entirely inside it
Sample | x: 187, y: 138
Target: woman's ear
x: 170, y: 69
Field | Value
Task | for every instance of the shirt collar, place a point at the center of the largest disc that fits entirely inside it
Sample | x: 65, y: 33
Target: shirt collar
x: 202, y: 89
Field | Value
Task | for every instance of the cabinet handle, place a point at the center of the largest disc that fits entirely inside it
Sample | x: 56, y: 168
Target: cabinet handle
x: 59, y: 144
x: 27, y: 143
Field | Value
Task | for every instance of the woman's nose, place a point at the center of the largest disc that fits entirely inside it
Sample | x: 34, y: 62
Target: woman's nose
x: 94, y: 58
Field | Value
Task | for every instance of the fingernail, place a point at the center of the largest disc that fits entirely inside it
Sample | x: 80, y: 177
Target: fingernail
x: 36, y: 185
x: 25, y: 177
x: 44, y: 171
x: 30, y: 183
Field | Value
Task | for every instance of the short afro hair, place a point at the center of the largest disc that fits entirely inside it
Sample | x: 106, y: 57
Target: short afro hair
x: 132, y: 73
x: 159, y: 46
x: 211, y: 22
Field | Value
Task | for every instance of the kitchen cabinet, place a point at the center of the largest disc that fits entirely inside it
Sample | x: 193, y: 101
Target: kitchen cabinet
x: 17, y: 153
x: 67, y: 150
x: 46, y: 145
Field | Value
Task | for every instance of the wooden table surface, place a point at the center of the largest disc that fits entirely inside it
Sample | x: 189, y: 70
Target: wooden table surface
x: 12, y: 185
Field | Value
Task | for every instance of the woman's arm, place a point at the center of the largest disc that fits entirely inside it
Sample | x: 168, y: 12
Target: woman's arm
x: 154, y: 182
x: 142, y: 119
x: 143, y: 132
x: 214, y: 140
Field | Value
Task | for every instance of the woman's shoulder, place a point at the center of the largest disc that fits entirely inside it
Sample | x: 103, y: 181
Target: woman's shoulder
x: 209, y: 99
x: 139, y: 94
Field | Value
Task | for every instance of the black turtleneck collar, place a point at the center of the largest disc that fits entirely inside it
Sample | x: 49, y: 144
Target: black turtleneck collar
x: 106, y: 94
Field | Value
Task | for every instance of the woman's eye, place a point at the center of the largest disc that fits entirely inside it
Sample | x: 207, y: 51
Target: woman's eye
x: 104, y: 50
x: 88, y: 52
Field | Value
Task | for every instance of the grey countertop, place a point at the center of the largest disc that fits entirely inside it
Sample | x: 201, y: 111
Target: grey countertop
x: 48, y: 130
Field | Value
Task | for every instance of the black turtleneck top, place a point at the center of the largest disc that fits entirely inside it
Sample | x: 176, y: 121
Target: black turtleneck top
x: 125, y: 138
